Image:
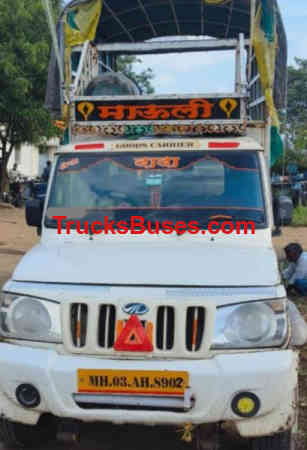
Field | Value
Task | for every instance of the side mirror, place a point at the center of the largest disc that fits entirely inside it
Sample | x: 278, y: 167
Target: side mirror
x: 34, y: 212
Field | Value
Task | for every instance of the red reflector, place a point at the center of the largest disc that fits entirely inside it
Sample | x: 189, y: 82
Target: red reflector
x: 224, y: 144
x: 89, y: 146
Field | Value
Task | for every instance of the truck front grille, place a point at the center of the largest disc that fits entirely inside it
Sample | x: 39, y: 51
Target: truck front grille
x: 173, y: 330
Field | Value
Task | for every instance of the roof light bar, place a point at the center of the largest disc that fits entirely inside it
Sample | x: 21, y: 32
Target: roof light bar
x: 89, y: 146
x: 224, y: 144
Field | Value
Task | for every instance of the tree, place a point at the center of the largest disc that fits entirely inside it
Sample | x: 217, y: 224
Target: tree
x: 143, y: 79
x: 24, y: 54
x: 294, y: 122
x: 297, y: 104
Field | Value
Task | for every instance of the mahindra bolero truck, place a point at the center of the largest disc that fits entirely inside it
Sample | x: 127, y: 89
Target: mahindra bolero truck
x: 154, y: 296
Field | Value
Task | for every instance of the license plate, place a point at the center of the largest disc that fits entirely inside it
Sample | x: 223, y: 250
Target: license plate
x: 133, y: 382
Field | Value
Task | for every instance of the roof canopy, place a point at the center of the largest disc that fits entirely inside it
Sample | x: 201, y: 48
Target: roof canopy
x: 140, y: 20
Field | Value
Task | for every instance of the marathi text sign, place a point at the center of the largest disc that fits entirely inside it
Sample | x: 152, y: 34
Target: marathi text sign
x: 162, y: 110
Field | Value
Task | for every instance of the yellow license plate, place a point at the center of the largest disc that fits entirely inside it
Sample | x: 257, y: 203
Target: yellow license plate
x: 133, y: 382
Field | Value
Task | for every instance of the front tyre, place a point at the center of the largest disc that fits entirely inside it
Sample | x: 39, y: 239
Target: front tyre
x: 280, y: 441
x: 17, y: 435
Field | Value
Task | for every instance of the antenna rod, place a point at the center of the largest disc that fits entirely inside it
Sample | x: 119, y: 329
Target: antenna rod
x: 52, y: 28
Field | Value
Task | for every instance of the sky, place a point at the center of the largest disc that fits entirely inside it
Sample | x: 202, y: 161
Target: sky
x: 214, y: 72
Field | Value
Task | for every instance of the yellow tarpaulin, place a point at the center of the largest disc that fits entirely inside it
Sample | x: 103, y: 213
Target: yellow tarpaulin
x: 265, y: 47
x: 81, y: 23
x: 265, y: 52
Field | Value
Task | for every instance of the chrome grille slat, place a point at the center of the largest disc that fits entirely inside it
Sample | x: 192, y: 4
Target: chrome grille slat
x: 106, y: 326
x: 165, y: 328
x: 79, y: 322
x: 195, y: 327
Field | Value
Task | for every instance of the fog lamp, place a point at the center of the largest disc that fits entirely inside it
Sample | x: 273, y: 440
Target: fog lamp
x: 245, y: 404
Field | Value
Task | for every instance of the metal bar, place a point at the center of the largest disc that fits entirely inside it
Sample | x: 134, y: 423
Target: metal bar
x: 165, y: 325
x: 46, y: 6
x: 257, y: 102
x: 78, y: 328
x: 134, y: 400
x: 80, y: 66
x: 229, y: 19
x: 202, y: 17
x: 107, y: 324
x: 116, y: 18
x: 171, y: 46
x: 254, y: 80
x: 242, y: 65
x: 139, y: 98
x: 106, y: 66
x: 147, y: 18
x: 175, y: 16
x: 238, y: 68
x: 252, y: 26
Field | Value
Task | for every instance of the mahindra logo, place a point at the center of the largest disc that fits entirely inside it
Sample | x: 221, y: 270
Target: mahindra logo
x: 135, y: 309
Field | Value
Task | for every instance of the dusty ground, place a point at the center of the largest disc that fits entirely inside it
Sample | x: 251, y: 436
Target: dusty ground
x: 16, y: 238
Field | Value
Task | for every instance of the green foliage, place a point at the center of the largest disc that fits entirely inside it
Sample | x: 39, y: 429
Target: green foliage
x: 294, y: 124
x: 24, y: 55
x: 143, y: 79
x: 300, y: 217
x: 297, y: 103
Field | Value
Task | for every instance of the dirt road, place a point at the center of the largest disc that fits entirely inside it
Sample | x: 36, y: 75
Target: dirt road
x: 16, y: 238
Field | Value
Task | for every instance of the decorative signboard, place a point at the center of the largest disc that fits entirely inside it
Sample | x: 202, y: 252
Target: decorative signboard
x: 151, y: 110
x: 85, y: 131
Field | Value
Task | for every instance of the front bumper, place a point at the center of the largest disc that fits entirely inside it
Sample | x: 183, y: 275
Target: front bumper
x: 271, y: 375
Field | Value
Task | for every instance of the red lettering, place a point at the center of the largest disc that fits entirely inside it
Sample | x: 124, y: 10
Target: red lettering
x: 245, y: 225
x: 108, y: 226
x: 157, y: 227
x: 78, y: 227
x: 227, y: 230
x: 59, y: 222
x: 137, y: 222
x: 180, y: 228
x: 193, y: 227
x: 167, y: 227
x: 69, y: 223
x: 211, y: 230
x: 122, y: 227
x: 94, y: 230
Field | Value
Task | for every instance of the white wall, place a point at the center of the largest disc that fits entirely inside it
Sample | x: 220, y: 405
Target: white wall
x: 30, y: 162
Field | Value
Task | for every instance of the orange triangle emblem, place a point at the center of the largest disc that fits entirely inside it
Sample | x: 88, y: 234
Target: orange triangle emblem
x: 133, y: 337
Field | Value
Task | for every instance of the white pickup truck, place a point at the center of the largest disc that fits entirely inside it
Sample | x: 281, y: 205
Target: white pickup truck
x: 179, y: 328
x: 183, y: 322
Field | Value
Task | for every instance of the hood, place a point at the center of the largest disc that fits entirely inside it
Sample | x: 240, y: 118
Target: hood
x: 149, y: 263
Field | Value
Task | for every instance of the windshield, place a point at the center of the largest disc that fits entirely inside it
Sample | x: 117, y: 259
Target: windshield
x: 173, y: 186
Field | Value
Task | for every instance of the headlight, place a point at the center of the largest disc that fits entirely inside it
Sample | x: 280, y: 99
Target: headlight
x: 251, y: 325
x: 29, y: 318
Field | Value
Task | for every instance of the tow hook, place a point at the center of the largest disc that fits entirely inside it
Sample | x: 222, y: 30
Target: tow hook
x: 187, y: 432
x: 69, y: 431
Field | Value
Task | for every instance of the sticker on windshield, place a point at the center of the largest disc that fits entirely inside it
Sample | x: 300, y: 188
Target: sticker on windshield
x: 70, y: 163
x: 166, y: 162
